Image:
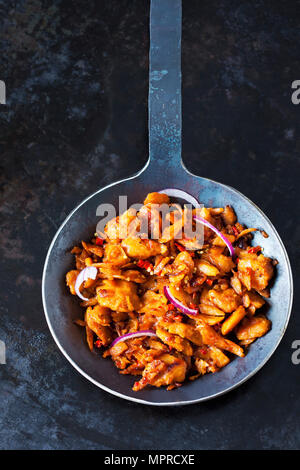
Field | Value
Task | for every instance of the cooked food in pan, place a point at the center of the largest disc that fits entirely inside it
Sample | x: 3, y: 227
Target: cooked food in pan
x: 174, y: 308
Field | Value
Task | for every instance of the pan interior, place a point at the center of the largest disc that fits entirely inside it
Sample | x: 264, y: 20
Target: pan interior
x: 62, y: 309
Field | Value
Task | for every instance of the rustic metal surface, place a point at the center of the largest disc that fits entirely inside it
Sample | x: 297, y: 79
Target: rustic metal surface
x: 75, y: 121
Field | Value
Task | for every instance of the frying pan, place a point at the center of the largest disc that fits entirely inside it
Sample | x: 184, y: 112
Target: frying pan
x: 163, y: 169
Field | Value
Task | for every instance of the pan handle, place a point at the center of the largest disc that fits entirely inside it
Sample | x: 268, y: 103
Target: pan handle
x: 165, y: 86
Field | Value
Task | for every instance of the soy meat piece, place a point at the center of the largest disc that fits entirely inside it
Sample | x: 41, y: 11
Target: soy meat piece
x: 227, y: 300
x: 252, y: 328
x: 71, y: 279
x: 254, y: 271
x: 118, y: 295
x: 143, y: 249
x: 166, y: 370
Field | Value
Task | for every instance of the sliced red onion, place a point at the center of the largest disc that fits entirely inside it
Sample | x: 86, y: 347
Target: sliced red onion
x: 177, y: 304
x: 173, y: 192
x: 87, y: 273
x: 136, y: 334
x: 214, y: 229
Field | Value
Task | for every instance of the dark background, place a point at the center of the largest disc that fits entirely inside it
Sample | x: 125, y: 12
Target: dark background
x: 76, y: 120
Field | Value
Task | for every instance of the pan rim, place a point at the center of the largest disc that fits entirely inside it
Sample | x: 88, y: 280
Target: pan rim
x: 178, y: 403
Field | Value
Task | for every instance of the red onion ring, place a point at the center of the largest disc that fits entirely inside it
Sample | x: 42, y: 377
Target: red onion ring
x: 173, y: 192
x: 136, y: 334
x: 87, y: 273
x: 177, y: 304
x: 214, y: 229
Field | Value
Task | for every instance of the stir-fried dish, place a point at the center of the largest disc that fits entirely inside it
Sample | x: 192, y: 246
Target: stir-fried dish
x: 172, y: 309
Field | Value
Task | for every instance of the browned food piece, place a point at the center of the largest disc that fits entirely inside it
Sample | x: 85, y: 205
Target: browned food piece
x: 157, y: 198
x: 212, y: 338
x: 104, y: 333
x: 153, y: 302
x: 173, y: 230
x: 119, y: 316
x: 71, y: 279
x: 89, y: 334
x: 112, y: 229
x: 180, y: 294
x: 184, y: 330
x: 80, y: 259
x: 218, y: 241
x: 191, y: 244
x: 115, y: 255
x: 228, y: 216
x: 236, y: 284
x: 108, y: 271
x: 182, y: 267
x: 143, y: 249
x: 227, y: 300
x: 166, y: 370
x: 118, y: 295
x: 210, y: 314
x: 128, y: 296
x: 206, y: 214
x: 204, y: 267
x: 131, y: 275
x: 209, y: 319
x: 202, y: 366
x: 252, y: 328
x: 212, y: 310
x: 216, y: 257
x: 213, y: 357
x: 93, y: 249
x: 89, y: 303
x: 174, y: 341
x: 231, y: 322
x: 254, y: 271
x: 101, y: 315
x: 253, y: 301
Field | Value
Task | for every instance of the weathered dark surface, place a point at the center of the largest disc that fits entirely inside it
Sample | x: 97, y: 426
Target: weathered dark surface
x: 75, y: 120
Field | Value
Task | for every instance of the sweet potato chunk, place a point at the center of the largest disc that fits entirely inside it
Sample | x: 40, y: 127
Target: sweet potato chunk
x: 231, y: 322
